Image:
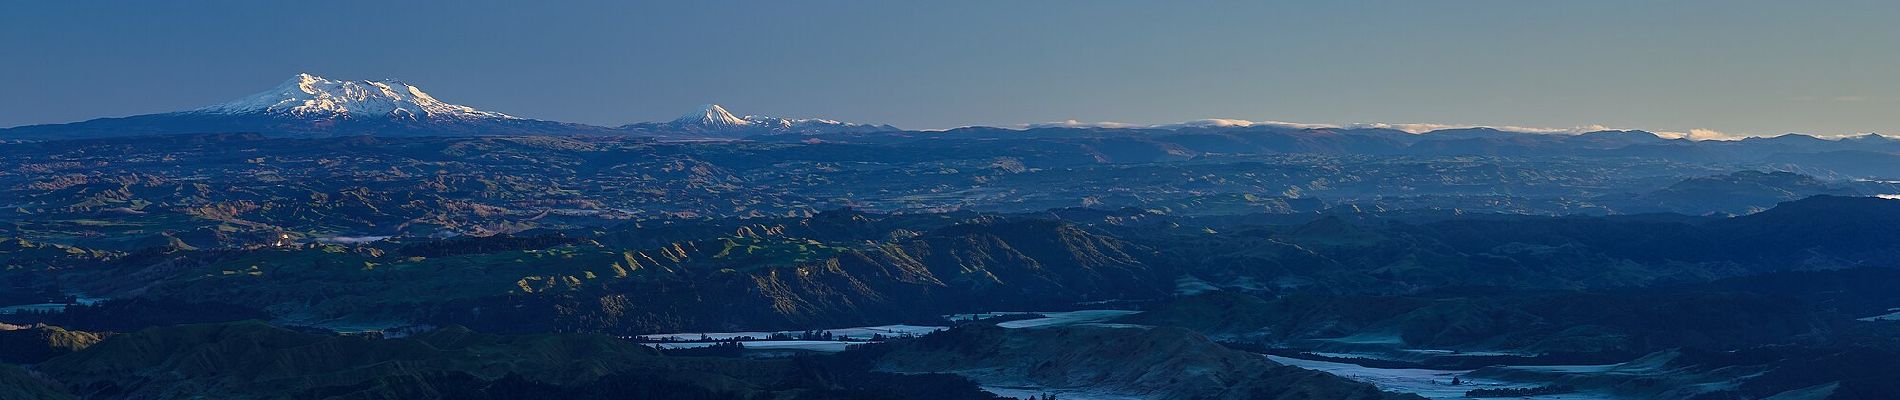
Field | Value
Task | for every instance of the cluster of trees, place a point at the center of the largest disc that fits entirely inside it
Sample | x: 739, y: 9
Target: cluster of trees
x: 1521, y: 392
x: 728, y: 348
x: 484, y: 244
x: 806, y: 335
x: 775, y: 336
x: 20, y: 290
x: 126, y: 315
x: 991, y: 320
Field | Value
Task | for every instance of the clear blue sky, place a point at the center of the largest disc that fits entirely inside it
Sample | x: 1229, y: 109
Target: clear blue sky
x: 1757, y: 67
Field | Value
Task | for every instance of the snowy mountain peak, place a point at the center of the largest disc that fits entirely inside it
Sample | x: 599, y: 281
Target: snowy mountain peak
x: 311, y: 96
x: 712, y: 116
x: 714, y: 121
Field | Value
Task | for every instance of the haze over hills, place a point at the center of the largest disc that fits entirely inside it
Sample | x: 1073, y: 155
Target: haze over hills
x: 1305, y: 201
x: 364, y: 239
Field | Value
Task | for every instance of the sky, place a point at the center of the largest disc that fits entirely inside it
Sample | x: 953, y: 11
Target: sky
x: 1721, y: 68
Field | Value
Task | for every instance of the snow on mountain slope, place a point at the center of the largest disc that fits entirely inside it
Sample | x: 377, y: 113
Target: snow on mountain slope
x: 712, y: 116
x: 313, y: 106
x: 713, y: 120
x: 310, y: 96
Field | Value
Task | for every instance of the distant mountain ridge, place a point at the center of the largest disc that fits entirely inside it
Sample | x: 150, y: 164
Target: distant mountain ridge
x: 713, y: 120
x: 307, y: 105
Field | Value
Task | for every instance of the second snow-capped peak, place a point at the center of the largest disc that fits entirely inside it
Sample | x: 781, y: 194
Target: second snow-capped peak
x: 713, y: 119
x: 712, y: 116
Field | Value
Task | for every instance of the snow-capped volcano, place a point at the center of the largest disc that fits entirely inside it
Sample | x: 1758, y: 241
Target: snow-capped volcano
x: 713, y: 120
x: 313, y: 106
x: 711, y: 116
x: 311, y: 96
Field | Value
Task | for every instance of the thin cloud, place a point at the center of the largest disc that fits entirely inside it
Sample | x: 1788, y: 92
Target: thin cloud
x: 1691, y: 134
x: 1850, y: 98
x: 1079, y: 124
x: 1241, y: 123
x: 1700, y: 134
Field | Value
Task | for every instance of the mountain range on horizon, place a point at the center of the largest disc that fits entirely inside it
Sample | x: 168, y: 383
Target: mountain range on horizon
x: 307, y: 105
